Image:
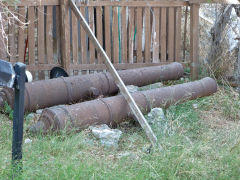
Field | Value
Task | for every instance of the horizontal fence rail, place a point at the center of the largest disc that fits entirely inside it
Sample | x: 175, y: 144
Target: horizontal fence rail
x: 133, y: 34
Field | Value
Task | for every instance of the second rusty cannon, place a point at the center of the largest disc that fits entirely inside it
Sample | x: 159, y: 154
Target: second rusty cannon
x: 69, y: 90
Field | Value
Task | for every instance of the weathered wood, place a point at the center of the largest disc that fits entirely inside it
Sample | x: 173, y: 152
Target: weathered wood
x: 58, y: 35
x: 91, y: 25
x: 139, y: 34
x: 41, y: 40
x: 74, y: 38
x: 163, y: 34
x: 107, y: 31
x: 38, y: 2
x: 31, y: 35
x: 124, y: 35
x: 83, y: 40
x: 65, y: 34
x: 115, y: 36
x: 178, y: 39
x: 3, y: 42
x: 130, y: 34
x: 156, y: 19
x: 164, y: 3
x: 99, y: 30
x: 49, y: 34
x: 147, y: 52
x: 185, y: 32
x: 11, y: 35
x: 132, y: 104
x: 194, y: 41
x: 170, y: 34
x: 21, y: 39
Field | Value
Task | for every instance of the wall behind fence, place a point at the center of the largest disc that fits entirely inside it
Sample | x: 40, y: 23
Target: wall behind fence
x: 133, y: 33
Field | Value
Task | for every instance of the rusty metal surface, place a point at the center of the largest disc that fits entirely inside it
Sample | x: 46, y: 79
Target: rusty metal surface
x: 70, y: 90
x: 114, y: 110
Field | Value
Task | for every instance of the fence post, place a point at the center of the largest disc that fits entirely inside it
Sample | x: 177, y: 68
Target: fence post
x: 65, y: 34
x: 194, y: 40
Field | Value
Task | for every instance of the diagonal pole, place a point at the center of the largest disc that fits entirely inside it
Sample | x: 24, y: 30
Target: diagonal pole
x: 132, y: 104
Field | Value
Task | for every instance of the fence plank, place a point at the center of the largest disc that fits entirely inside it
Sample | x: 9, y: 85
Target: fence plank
x: 41, y: 40
x: 131, y: 34
x: 163, y: 34
x: 11, y: 35
x: 58, y: 36
x: 164, y: 3
x: 31, y: 35
x: 194, y: 41
x: 21, y: 38
x: 107, y: 31
x: 115, y: 36
x: 147, y: 49
x: 65, y: 34
x: 124, y: 35
x: 139, y: 34
x: 74, y: 38
x: 99, y: 31
x: 178, y: 38
x: 49, y: 34
x: 170, y: 34
x: 156, y: 19
x: 91, y: 45
x: 83, y: 40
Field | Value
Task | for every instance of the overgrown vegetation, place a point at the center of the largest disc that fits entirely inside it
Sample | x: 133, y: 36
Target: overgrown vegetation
x: 205, y: 145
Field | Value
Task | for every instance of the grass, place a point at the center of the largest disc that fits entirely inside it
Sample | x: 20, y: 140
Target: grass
x: 205, y: 145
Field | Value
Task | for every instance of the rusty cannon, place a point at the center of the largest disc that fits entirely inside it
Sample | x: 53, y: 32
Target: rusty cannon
x: 70, y: 90
x: 114, y: 109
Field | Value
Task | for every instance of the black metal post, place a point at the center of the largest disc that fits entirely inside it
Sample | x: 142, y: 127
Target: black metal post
x: 18, y: 115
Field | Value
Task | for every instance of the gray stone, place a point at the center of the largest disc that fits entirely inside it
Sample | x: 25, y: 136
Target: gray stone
x: 107, y: 137
x: 159, y: 122
x: 39, y: 111
x: 32, y: 117
x: 27, y: 141
x: 195, y: 106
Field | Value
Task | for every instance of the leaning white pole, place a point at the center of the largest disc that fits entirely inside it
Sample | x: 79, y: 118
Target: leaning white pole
x: 132, y: 104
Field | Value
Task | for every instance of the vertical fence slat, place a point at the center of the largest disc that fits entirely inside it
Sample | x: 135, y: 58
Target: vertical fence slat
x: 21, y: 39
x: 131, y: 34
x: 41, y: 40
x: 83, y: 40
x: 115, y: 36
x: 156, y: 19
x: 107, y: 31
x: 178, y: 38
x: 49, y: 34
x: 31, y: 35
x: 171, y: 34
x: 139, y: 34
x: 65, y: 34
x: 58, y: 35
x: 74, y: 38
x: 91, y: 45
x: 163, y: 35
x: 99, y: 30
x: 194, y: 40
x: 11, y: 36
x: 124, y: 35
x: 147, y: 49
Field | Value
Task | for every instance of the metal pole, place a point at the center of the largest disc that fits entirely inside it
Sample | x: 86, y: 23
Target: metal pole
x: 18, y: 115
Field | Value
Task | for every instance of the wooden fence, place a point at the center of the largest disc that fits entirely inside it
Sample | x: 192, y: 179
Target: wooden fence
x: 133, y: 33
